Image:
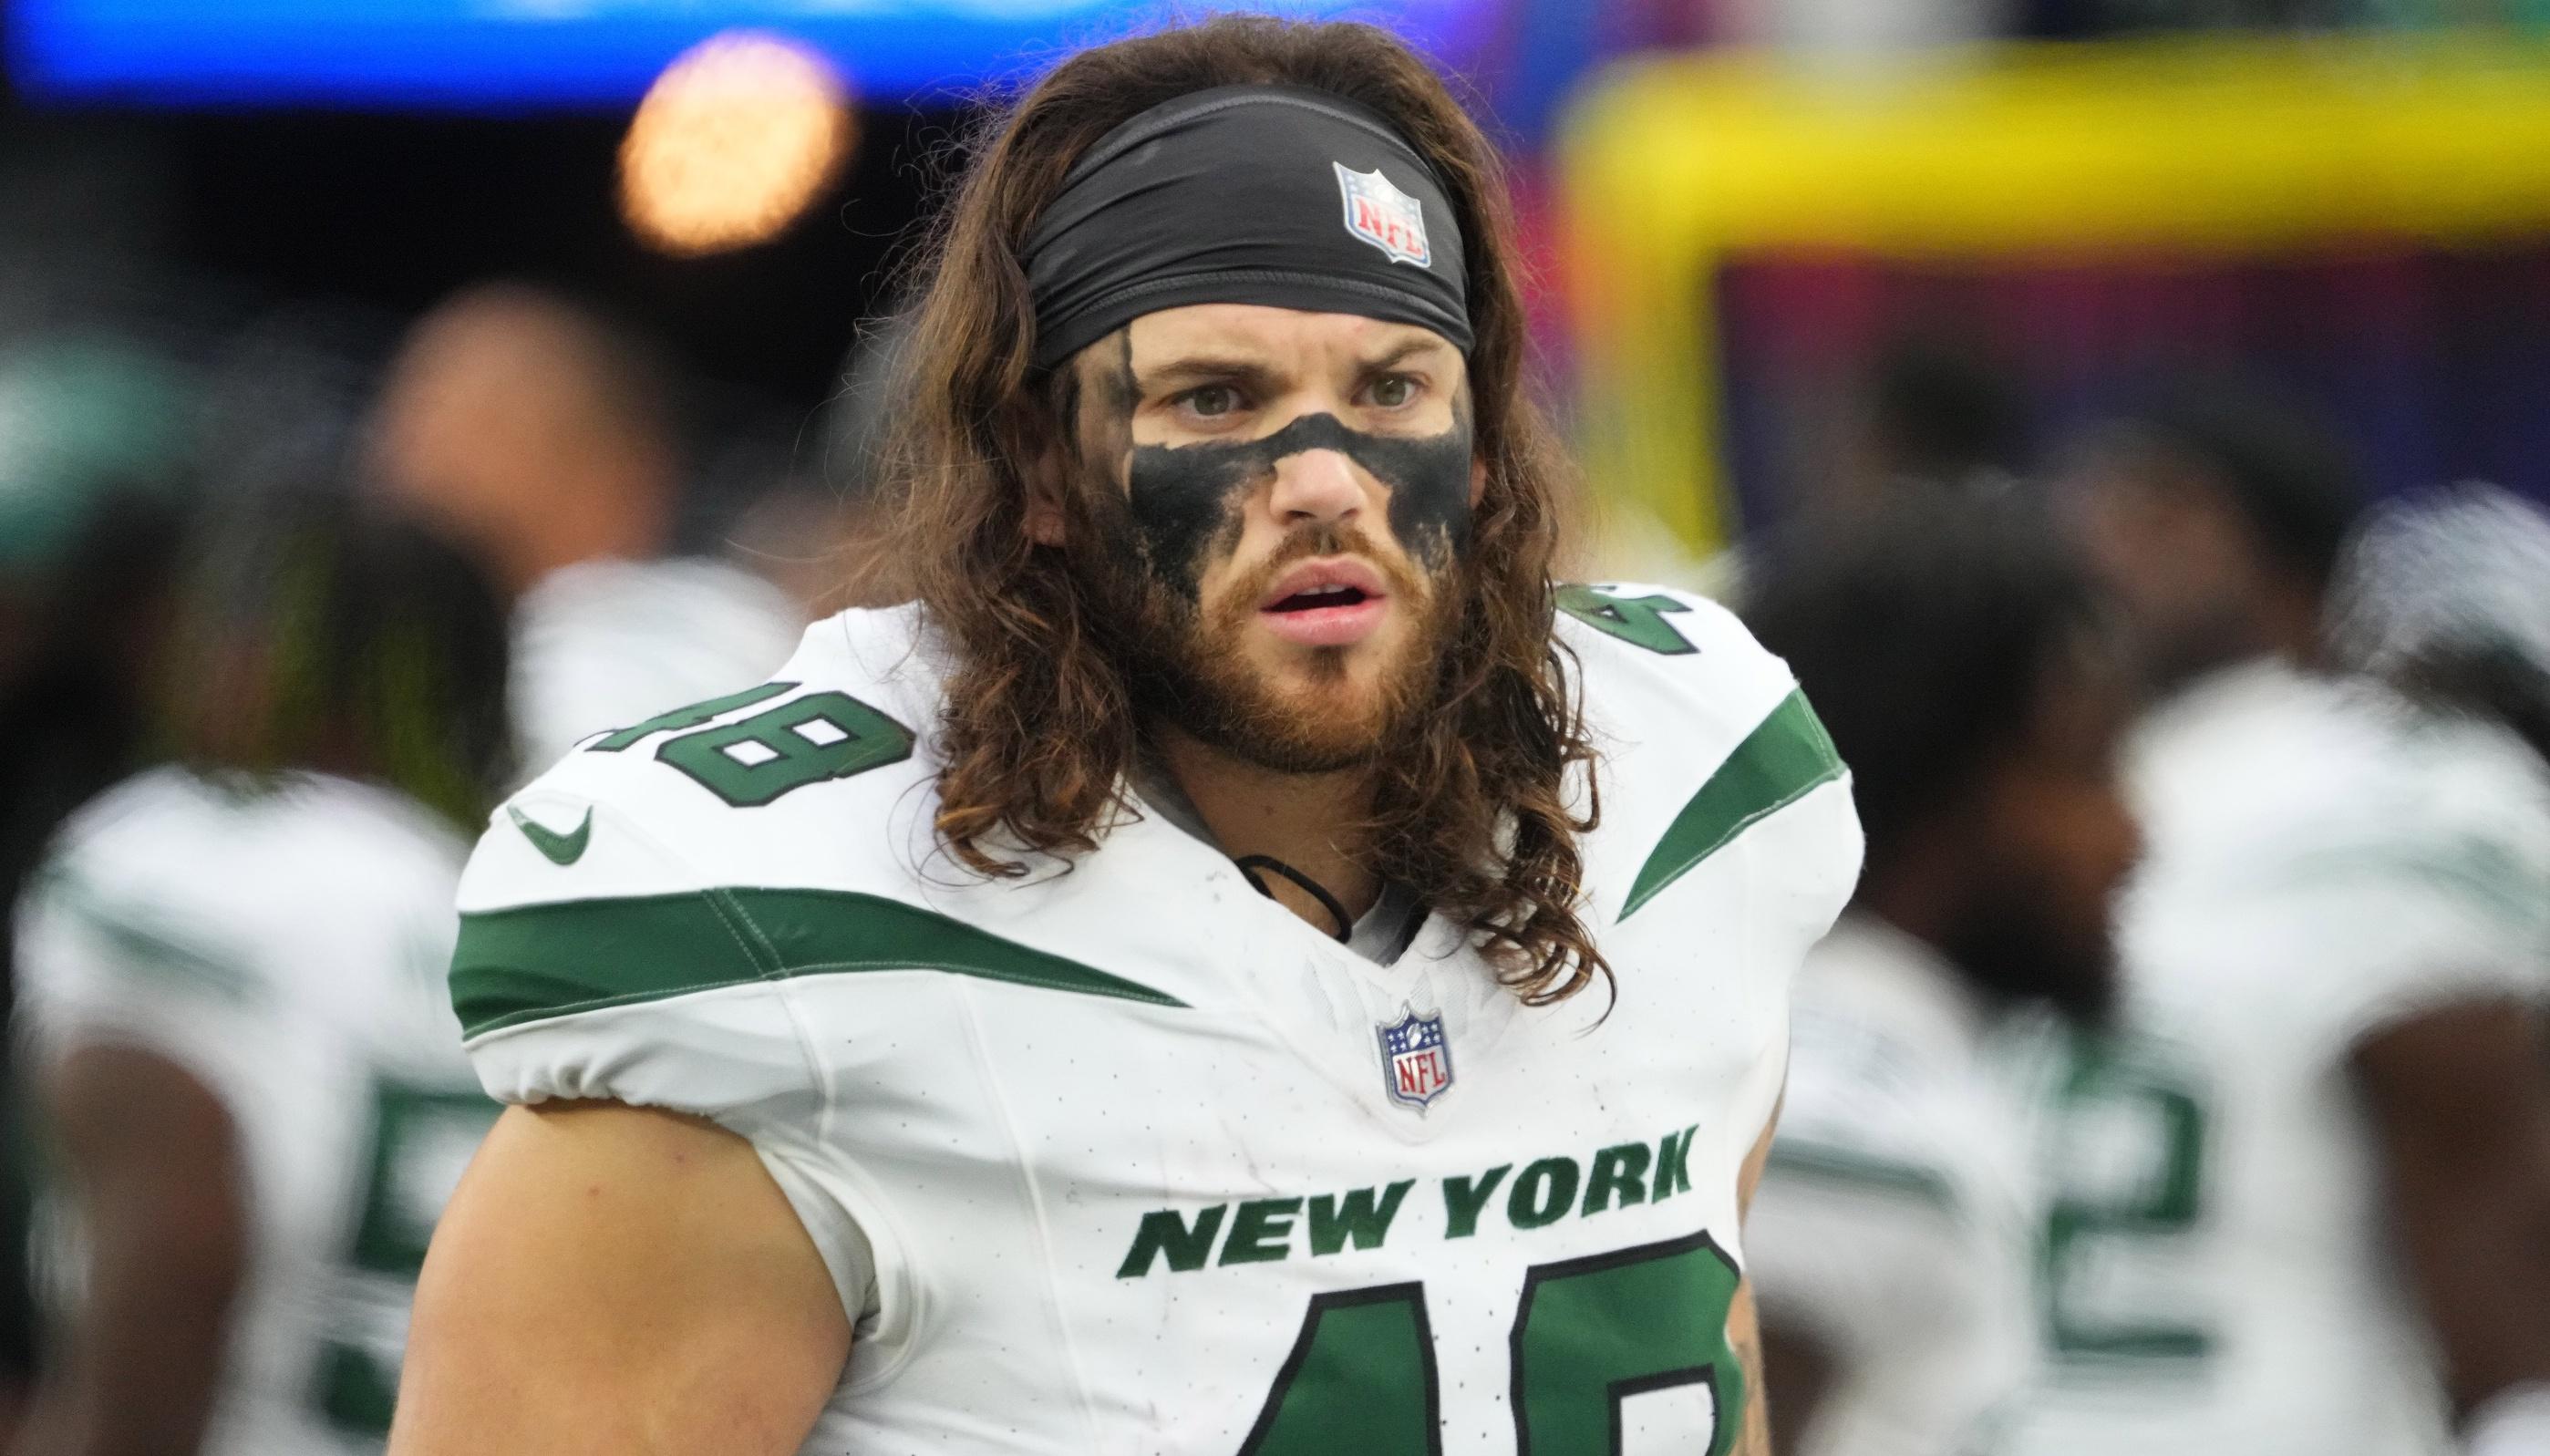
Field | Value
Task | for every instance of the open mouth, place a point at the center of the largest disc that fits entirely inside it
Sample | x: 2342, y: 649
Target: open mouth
x: 1312, y: 599
x: 1335, y: 603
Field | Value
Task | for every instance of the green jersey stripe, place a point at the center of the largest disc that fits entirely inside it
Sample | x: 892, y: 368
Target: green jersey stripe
x: 1787, y: 755
x: 534, y: 961
x: 2484, y: 875
x: 148, y: 946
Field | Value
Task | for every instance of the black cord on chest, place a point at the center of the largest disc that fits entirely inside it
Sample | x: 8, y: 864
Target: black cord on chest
x: 1250, y: 864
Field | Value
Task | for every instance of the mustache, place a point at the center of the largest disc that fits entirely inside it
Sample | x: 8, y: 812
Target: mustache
x: 1326, y: 538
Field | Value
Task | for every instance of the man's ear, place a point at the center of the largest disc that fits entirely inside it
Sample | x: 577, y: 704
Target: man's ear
x: 1478, y: 481
x: 1059, y: 459
x: 1047, y: 476
x: 1044, y: 514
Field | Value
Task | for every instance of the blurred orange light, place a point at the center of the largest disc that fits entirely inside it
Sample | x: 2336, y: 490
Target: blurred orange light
x: 738, y: 136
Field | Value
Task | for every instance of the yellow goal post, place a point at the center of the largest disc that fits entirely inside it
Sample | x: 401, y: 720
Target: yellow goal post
x: 2225, y: 147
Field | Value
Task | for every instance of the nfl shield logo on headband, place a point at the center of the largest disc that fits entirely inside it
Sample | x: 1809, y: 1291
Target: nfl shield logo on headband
x: 1383, y: 216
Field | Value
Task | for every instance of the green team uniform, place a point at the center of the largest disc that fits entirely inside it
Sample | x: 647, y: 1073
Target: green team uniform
x: 1131, y: 1158
x: 2220, y: 1277
x: 284, y: 947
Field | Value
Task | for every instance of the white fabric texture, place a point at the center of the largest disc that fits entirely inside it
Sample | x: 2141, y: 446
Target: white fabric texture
x: 1107, y: 1135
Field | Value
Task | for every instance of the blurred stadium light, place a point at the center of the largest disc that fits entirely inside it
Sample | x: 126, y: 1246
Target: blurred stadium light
x: 2222, y: 148
x: 510, y: 54
x: 732, y: 142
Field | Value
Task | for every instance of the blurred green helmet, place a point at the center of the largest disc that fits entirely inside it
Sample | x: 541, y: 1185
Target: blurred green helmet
x: 82, y: 420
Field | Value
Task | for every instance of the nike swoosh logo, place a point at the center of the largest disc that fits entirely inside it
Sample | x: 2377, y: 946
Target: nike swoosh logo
x: 560, y: 848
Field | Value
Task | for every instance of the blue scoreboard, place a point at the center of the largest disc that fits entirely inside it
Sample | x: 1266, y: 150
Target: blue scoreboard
x: 505, y: 54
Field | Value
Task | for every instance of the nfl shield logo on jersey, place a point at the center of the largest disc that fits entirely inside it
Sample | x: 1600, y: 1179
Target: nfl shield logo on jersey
x: 1416, y: 1059
x: 1383, y: 216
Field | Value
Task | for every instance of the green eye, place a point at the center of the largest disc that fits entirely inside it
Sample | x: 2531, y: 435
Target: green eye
x: 1393, y: 390
x: 1213, y: 400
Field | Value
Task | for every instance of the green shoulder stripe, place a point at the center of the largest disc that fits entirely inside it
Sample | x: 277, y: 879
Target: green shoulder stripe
x: 1787, y: 755
x: 152, y: 947
x: 1832, y: 1163
x: 537, y: 961
x: 2474, y: 870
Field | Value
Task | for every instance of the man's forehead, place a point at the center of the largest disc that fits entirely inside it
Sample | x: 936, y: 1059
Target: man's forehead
x: 1272, y: 338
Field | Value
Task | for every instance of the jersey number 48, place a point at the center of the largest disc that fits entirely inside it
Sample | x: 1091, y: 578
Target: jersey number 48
x: 1590, y: 1338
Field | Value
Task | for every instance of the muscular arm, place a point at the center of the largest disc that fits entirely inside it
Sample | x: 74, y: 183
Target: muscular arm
x: 615, y: 1280
x: 2461, y: 1110
x: 152, y: 1160
x: 1743, y: 1319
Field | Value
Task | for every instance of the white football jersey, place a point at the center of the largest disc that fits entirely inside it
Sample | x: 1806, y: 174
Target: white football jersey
x: 2321, y: 862
x: 1895, y: 1223
x: 1131, y: 1158
x: 284, y: 946
x: 604, y: 644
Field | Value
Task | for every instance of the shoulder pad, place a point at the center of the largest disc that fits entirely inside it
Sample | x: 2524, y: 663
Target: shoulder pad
x: 1700, y: 734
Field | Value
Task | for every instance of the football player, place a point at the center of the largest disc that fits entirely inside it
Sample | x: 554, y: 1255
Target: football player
x: 2445, y: 594
x: 545, y: 438
x: 1166, y: 990
x: 1958, y: 657
x: 2301, y: 1191
x: 229, y: 981
x: 92, y: 502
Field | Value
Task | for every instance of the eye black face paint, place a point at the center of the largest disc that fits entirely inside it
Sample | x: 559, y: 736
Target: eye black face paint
x: 1185, y: 497
x: 1155, y: 520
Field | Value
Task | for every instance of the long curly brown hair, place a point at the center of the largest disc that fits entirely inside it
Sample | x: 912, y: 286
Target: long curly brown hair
x: 1039, y: 725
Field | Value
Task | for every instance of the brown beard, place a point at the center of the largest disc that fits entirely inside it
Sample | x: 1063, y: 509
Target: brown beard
x: 1183, y: 664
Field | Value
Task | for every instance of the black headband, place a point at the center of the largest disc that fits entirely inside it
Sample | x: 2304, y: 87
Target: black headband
x: 1277, y: 195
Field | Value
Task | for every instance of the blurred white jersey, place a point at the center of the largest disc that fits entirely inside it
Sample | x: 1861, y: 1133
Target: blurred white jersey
x: 602, y: 644
x: 1134, y: 1160
x: 1895, y: 1223
x: 285, y: 948
x: 2323, y: 862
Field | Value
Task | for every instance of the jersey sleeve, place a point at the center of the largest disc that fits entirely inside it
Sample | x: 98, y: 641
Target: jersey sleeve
x: 102, y: 957
x: 1726, y: 808
x: 132, y: 931
x: 594, y: 963
x: 1709, y: 745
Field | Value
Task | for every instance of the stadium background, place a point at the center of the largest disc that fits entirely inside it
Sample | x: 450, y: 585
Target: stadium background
x: 1755, y: 218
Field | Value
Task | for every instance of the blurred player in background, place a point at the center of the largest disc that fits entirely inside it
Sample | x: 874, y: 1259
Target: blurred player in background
x: 2303, y: 1188
x: 1932, y: 414
x: 96, y: 466
x: 232, y: 989
x: 545, y: 438
x: 1929, y: 417
x: 1953, y: 649
x: 2446, y: 596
